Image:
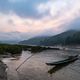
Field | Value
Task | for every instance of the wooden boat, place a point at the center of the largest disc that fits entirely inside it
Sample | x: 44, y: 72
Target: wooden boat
x: 68, y: 60
x: 17, y: 58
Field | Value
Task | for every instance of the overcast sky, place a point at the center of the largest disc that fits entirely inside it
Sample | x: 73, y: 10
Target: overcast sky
x: 39, y: 16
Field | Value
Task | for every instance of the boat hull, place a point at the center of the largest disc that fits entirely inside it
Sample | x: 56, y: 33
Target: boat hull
x: 63, y: 61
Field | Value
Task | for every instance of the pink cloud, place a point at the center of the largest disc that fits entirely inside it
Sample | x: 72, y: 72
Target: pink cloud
x: 59, y: 14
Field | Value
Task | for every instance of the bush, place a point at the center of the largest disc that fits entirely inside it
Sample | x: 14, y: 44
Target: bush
x: 13, y: 49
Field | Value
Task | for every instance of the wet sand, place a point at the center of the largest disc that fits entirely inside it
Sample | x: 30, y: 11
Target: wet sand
x: 36, y: 69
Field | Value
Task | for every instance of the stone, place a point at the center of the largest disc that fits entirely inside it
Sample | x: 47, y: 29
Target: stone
x: 3, y: 73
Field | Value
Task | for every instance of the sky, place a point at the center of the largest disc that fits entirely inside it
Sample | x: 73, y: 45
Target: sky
x: 28, y: 18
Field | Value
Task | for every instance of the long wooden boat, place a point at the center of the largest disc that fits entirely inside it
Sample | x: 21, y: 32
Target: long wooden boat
x: 68, y: 60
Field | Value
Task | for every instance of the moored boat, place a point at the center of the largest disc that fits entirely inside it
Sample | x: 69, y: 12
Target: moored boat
x: 68, y: 60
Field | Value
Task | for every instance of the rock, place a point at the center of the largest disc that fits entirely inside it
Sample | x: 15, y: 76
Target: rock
x: 3, y: 73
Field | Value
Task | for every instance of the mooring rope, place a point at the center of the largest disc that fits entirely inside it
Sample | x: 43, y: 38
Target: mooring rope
x: 21, y: 65
x: 24, y: 62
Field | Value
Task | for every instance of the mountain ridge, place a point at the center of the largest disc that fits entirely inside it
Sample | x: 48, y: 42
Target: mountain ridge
x: 59, y: 39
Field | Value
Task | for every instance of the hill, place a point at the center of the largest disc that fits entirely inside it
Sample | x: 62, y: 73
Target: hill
x: 70, y: 37
x: 65, y: 38
x: 34, y: 41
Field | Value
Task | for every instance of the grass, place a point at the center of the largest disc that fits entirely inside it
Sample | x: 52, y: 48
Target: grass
x: 17, y: 49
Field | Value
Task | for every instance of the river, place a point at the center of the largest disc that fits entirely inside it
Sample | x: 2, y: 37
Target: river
x: 34, y: 68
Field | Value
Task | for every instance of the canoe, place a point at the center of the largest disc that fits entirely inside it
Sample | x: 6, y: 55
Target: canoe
x: 13, y: 58
x: 68, y: 60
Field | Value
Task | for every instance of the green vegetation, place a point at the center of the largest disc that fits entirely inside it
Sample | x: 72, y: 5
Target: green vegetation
x: 13, y: 49
x: 73, y: 40
x: 37, y: 49
x: 17, y: 49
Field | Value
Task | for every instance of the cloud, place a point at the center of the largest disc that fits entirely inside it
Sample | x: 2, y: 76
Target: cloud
x: 13, y: 22
x: 16, y: 1
x: 40, y: 16
x: 23, y: 8
x: 63, y: 11
x: 59, y: 7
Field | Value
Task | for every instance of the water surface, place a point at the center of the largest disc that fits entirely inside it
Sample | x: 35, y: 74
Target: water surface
x: 36, y: 69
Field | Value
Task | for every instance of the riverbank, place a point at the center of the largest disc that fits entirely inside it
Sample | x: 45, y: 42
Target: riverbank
x: 3, y: 73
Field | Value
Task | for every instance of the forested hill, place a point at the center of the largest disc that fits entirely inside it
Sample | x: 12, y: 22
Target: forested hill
x: 34, y: 41
x: 71, y: 37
